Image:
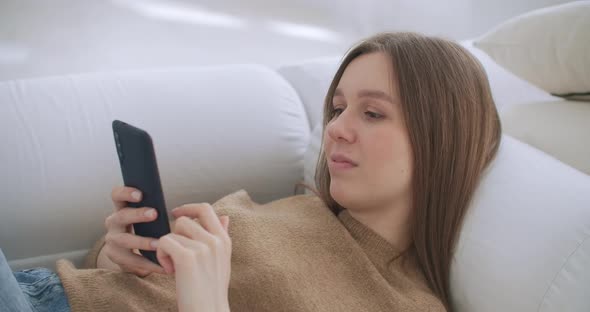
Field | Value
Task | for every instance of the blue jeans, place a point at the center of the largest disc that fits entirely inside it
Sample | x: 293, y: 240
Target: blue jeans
x: 32, y: 290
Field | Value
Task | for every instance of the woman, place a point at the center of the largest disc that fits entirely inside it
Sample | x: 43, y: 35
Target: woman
x: 409, y: 127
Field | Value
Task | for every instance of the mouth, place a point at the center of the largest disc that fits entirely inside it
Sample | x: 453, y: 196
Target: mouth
x: 339, y: 161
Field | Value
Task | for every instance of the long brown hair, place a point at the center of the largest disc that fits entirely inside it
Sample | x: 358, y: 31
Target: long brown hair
x: 454, y: 131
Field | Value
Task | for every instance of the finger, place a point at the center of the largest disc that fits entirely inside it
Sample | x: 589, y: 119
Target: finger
x: 165, y: 261
x: 224, y: 222
x: 131, y: 241
x: 204, y: 213
x: 186, y: 210
x: 191, y: 229
x: 133, y: 262
x: 177, y: 248
x: 121, y: 195
x: 135, y: 271
x: 126, y: 216
x: 187, y: 243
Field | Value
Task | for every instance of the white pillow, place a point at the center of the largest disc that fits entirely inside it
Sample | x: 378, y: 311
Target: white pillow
x: 310, y: 158
x: 311, y: 79
x: 525, y: 242
x: 549, y: 47
x: 559, y: 128
x: 507, y: 88
x: 525, y: 245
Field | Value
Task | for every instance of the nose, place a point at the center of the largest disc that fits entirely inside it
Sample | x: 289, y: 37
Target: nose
x: 342, y: 128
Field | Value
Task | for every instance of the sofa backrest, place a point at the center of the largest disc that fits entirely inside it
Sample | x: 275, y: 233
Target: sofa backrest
x: 215, y: 130
x: 525, y: 242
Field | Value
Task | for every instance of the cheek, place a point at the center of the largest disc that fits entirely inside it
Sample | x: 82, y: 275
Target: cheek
x: 326, y: 146
x: 390, y: 151
x: 326, y: 140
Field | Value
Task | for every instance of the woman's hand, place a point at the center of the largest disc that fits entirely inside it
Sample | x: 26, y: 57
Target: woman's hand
x: 199, y: 254
x: 121, y: 249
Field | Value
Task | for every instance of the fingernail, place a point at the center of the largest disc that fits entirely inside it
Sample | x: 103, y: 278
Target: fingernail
x: 154, y: 244
x: 150, y: 213
x: 136, y: 195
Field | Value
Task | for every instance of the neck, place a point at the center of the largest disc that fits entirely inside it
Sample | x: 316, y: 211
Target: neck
x: 392, y: 223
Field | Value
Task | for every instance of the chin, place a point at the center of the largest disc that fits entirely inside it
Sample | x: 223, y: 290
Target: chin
x: 344, y: 195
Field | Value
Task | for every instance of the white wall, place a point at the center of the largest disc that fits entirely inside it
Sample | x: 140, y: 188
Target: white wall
x: 456, y: 19
x: 40, y: 38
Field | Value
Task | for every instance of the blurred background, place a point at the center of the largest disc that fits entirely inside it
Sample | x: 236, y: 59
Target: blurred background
x: 44, y: 38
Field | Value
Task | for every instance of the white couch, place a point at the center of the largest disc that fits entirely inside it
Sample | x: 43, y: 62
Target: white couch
x: 524, y: 245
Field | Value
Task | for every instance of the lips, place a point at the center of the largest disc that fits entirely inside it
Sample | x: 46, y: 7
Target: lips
x: 340, y: 159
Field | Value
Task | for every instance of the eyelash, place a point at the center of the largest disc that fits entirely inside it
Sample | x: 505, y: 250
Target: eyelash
x: 370, y: 114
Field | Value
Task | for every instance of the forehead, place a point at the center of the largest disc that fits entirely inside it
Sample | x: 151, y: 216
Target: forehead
x: 369, y: 71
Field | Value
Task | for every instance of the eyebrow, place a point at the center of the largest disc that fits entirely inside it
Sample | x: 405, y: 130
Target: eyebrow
x: 376, y: 94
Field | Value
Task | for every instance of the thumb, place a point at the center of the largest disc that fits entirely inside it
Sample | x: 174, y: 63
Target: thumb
x: 224, y: 222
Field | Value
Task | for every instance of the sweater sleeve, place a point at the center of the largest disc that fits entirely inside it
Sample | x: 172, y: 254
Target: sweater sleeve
x: 92, y: 256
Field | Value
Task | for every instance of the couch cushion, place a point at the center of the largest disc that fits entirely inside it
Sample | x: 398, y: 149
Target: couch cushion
x: 311, y: 79
x: 549, y: 47
x: 310, y: 158
x: 525, y: 242
x: 508, y: 90
x: 559, y: 128
x: 215, y: 130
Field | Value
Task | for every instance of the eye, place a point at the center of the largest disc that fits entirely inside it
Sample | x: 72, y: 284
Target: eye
x: 336, y: 112
x: 373, y: 115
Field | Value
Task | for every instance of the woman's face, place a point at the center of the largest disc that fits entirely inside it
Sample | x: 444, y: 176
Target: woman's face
x: 366, y: 143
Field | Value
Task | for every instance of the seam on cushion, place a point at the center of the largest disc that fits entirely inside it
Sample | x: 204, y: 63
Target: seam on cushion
x: 571, y: 94
x: 561, y: 270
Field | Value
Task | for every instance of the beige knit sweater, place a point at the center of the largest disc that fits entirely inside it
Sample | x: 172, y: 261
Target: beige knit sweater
x: 292, y: 254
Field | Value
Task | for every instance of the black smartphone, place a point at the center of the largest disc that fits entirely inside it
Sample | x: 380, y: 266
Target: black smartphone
x: 140, y: 170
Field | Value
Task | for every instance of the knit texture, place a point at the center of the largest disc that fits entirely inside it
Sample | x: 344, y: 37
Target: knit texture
x: 292, y: 254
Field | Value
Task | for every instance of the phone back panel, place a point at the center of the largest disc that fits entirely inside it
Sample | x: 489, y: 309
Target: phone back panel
x: 140, y: 170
